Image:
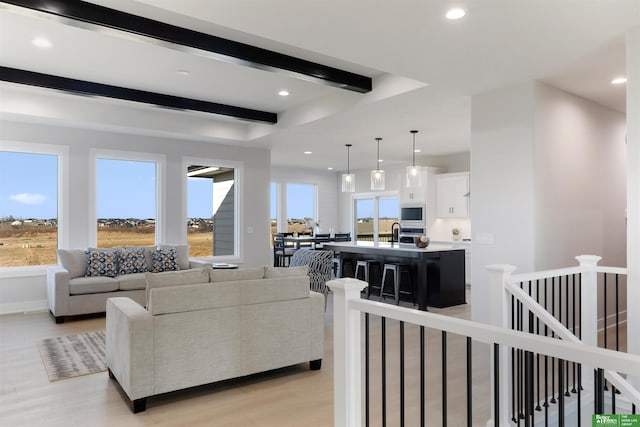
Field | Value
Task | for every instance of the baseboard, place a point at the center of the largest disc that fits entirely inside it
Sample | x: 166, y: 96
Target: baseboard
x: 23, y: 307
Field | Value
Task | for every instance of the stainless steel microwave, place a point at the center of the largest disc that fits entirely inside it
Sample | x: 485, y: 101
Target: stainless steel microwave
x: 412, y: 214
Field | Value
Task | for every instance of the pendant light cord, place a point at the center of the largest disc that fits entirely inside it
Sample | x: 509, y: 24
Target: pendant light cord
x: 378, y: 161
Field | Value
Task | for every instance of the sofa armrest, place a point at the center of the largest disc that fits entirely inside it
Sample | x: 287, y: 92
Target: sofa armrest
x: 317, y: 325
x: 198, y: 263
x: 58, y: 290
x: 129, y: 346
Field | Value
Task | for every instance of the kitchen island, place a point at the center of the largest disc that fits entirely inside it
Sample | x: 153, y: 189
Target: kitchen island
x: 437, y: 272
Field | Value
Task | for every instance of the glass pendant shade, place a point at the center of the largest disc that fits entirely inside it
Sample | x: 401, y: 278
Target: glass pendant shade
x: 377, y: 175
x: 348, y: 182
x: 414, y: 175
x: 348, y: 179
x: 377, y: 180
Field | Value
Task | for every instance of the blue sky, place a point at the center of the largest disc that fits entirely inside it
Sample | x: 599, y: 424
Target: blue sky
x: 126, y: 189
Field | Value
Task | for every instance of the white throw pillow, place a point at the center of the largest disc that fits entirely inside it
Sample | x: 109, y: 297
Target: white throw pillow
x: 74, y: 261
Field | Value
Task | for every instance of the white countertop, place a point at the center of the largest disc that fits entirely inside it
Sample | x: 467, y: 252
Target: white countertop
x: 410, y: 248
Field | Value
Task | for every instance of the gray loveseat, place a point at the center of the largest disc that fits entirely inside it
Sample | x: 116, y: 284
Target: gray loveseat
x: 206, y: 325
x: 70, y: 291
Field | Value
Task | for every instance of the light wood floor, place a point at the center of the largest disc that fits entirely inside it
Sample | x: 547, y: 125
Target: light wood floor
x: 292, y: 396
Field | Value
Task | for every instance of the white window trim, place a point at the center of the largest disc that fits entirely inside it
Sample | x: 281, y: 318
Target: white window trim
x: 62, y: 151
x: 238, y: 167
x: 161, y: 165
x: 376, y: 196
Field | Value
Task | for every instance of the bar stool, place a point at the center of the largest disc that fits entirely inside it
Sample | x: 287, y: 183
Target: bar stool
x: 396, y: 270
x: 366, y: 265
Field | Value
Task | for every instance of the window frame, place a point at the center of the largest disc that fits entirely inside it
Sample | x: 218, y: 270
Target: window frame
x: 62, y: 152
x: 238, y: 167
x: 376, y: 196
x: 159, y: 159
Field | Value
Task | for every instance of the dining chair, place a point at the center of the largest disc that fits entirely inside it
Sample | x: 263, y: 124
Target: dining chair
x: 319, y: 239
x: 282, y: 253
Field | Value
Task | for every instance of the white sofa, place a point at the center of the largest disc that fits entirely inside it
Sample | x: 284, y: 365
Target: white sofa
x: 206, y: 325
x: 70, y: 292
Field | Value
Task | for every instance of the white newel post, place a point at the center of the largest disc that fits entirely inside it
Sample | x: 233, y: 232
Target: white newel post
x: 589, y: 298
x: 499, y: 275
x: 589, y: 323
x: 347, y: 381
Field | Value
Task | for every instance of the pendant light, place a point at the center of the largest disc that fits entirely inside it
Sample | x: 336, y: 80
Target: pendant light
x: 414, y: 176
x: 377, y: 175
x: 348, y: 179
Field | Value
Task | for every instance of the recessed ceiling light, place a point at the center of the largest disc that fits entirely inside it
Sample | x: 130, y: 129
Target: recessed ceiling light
x: 307, y: 152
x: 283, y: 93
x: 417, y: 150
x: 183, y: 72
x: 41, y: 42
x: 455, y: 13
x: 619, y: 80
x: 330, y: 168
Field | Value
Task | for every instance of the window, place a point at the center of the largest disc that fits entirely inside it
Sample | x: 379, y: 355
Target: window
x: 211, y: 210
x: 374, y: 217
x: 126, y: 202
x: 29, y: 205
x: 301, y: 208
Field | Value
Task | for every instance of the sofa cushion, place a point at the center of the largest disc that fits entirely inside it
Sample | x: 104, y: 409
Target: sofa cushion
x: 74, y: 261
x: 176, y: 278
x: 271, y: 272
x: 182, y: 254
x: 102, y: 262
x: 132, y: 261
x: 225, y: 275
x: 201, y: 296
x: 92, y: 285
x: 204, y: 296
x: 132, y: 282
x: 164, y: 260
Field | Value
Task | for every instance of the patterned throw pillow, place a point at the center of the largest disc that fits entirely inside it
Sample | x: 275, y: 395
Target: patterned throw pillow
x: 132, y: 261
x: 102, y: 262
x: 164, y: 260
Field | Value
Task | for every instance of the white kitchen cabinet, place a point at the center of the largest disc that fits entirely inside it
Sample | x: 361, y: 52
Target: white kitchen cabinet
x: 453, y: 195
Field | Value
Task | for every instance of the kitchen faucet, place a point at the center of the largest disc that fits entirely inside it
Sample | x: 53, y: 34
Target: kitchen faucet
x: 394, y: 236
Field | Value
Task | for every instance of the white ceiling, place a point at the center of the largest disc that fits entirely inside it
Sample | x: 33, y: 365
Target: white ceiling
x: 425, y: 69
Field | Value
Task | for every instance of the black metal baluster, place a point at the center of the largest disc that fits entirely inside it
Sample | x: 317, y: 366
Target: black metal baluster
x: 469, y: 385
x: 573, y: 324
x: 617, y: 315
x: 444, y: 379
x: 580, y: 330
x: 566, y: 324
x: 606, y: 388
x: 519, y: 311
x: 528, y: 389
x: 560, y: 395
x: 514, y: 415
x: 496, y: 382
x: 366, y: 370
x: 384, y: 371
x: 598, y: 385
x: 401, y: 373
x: 538, y: 407
x: 546, y: 365
x: 553, y: 334
x: 422, y: 394
x: 579, y: 395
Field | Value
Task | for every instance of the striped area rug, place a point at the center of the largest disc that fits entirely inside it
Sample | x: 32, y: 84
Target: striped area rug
x: 73, y: 355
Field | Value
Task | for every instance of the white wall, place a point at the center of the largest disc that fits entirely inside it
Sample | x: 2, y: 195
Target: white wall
x: 254, y: 203
x: 502, y: 208
x: 549, y: 177
x: 580, y: 180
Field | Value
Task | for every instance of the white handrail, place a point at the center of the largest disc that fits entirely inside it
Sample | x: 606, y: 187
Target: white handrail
x: 600, y: 357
